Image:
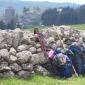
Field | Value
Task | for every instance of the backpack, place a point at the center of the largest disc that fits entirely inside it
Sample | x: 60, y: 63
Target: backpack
x: 60, y: 60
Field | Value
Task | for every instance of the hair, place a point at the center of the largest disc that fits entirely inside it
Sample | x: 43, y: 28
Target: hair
x: 36, y: 30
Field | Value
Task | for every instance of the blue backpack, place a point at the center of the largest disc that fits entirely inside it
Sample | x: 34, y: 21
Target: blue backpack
x: 77, y: 58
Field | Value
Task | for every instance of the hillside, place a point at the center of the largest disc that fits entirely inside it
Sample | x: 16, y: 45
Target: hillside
x: 18, y: 5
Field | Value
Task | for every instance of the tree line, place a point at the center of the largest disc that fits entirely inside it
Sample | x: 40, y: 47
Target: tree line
x: 64, y: 16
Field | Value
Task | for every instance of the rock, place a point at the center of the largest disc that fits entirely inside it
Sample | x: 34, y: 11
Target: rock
x: 33, y: 50
x: 42, y: 71
x: 59, y: 44
x: 24, y: 56
x: 27, y: 67
x: 24, y: 74
x: 12, y: 51
x: 38, y: 58
x: 25, y: 39
x: 15, y: 67
x: 39, y: 50
x: 4, y: 53
x: 17, y: 30
x: 4, y: 63
x: 54, y: 46
x: 37, y: 45
x: 50, y: 40
x: 8, y: 74
x: 2, y: 40
x: 17, y: 39
x: 8, y: 38
x: 22, y: 48
x: 12, y: 59
x: 1, y: 75
x: 4, y: 69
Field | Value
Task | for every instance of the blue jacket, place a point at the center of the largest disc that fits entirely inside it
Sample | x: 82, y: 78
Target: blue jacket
x: 64, y: 71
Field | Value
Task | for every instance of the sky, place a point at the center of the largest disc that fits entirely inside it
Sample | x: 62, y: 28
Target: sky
x: 71, y: 1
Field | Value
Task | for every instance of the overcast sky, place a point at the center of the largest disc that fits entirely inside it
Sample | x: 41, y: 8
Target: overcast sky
x: 71, y: 1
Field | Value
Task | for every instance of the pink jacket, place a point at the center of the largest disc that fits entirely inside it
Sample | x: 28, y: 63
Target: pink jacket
x: 51, y: 54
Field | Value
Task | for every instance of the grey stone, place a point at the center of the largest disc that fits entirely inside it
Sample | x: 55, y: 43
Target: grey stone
x: 12, y: 51
x: 22, y: 48
x: 37, y: 45
x: 50, y: 40
x: 28, y: 67
x: 4, y: 63
x: 16, y: 39
x: 24, y: 56
x: 25, y: 39
x: 15, y: 67
x: 24, y: 74
x: 4, y: 53
x: 38, y: 58
x: 39, y: 50
x: 4, y: 69
x: 8, y: 74
x: 32, y: 50
x: 1, y: 75
x: 12, y: 59
x: 42, y: 71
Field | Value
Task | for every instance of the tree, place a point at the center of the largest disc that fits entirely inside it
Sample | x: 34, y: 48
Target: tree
x: 10, y: 18
x: 68, y: 16
x: 25, y: 10
x: 81, y: 14
x: 11, y: 24
x: 2, y: 25
x: 49, y: 17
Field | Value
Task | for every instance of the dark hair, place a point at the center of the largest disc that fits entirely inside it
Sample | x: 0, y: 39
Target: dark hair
x: 36, y: 30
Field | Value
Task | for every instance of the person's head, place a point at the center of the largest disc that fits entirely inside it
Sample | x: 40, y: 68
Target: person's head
x: 36, y: 30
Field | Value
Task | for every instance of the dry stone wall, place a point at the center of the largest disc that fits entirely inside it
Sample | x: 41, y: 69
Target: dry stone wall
x: 21, y: 55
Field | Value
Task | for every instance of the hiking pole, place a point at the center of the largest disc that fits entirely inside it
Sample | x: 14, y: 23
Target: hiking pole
x: 41, y: 41
x: 64, y: 48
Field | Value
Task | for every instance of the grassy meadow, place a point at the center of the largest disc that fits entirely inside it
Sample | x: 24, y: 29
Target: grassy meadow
x: 42, y: 80
x: 78, y: 26
x: 39, y: 80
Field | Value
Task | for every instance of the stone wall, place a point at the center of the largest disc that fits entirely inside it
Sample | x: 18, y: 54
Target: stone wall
x: 21, y: 55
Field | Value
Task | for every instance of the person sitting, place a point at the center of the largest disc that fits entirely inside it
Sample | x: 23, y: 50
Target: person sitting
x: 61, y: 61
x: 76, y: 59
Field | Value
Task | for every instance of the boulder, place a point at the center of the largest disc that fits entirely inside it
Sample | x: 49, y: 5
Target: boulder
x: 27, y: 67
x: 2, y: 40
x: 12, y: 51
x: 39, y: 50
x: 25, y: 39
x: 24, y: 56
x: 50, y: 40
x: 4, y: 63
x: 1, y: 75
x: 8, y: 38
x: 12, y: 59
x: 38, y: 58
x: 15, y: 67
x: 4, y: 54
x: 24, y: 74
x: 42, y: 71
x: 32, y: 50
x: 8, y: 74
x: 16, y: 39
x: 4, y: 68
x: 37, y: 45
x: 22, y: 48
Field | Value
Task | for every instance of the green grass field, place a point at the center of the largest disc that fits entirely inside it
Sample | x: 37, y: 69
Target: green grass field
x: 39, y: 80
x: 78, y: 26
x: 42, y: 80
